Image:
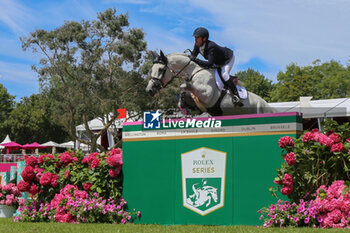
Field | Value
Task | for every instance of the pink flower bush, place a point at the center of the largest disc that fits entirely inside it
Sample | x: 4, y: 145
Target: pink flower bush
x: 313, y: 178
x: 285, y: 141
x: 314, y: 159
x: 72, y: 205
x: 330, y: 209
x: 49, y: 180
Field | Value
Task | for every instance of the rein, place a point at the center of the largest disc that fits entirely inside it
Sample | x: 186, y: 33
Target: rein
x: 183, y: 68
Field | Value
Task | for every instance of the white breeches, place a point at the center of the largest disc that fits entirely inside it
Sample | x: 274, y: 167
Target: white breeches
x: 225, y: 70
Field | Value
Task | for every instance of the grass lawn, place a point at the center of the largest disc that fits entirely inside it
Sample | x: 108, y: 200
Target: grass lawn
x: 7, y: 226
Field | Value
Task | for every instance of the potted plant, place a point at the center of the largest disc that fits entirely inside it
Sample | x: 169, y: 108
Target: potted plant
x: 9, y: 198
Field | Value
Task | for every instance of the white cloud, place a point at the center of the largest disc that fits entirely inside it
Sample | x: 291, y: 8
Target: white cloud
x: 17, y: 73
x: 168, y: 41
x: 14, y: 15
x: 282, y: 32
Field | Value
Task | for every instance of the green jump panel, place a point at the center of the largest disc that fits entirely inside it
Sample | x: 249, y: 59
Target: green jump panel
x: 188, y: 174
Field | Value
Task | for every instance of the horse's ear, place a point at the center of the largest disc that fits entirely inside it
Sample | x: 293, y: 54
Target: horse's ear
x: 155, y: 56
x: 163, y: 57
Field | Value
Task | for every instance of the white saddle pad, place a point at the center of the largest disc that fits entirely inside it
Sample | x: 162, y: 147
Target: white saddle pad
x: 242, y: 92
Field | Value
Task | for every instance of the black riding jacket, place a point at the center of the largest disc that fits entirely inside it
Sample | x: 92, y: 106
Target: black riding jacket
x: 215, y: 54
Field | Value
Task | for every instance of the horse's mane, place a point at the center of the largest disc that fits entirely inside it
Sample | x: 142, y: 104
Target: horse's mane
x: 178, y: 54
x: 186, y: 55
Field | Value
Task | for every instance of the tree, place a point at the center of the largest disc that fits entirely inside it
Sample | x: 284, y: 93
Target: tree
x: 322, y: 81
x: 257, y: 83
x: 31, y: 121
x: 90, y: 69
x: 6, y: 106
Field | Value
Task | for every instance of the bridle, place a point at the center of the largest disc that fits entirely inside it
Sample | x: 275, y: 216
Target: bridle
x: 158, y: 81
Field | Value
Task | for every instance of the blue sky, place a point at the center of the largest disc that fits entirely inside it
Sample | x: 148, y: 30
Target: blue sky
x: 266, y: 35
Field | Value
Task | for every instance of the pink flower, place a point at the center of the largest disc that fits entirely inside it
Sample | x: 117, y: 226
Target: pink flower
x: 92, y: 156
x: 308, y: 137
x: 9, y: 202
x: 45, y: 179
x: 338, y: 147
x: 115, y: 151
x: 28, y: 174
x: 23, y: 186
x: 324, y: 140
x: 31, y: 161
x: 348, y: 140
x: 54, y: 179
x: 38, y: 170
x: 277, y: 181
x: 84, y: 160
x: 66, y: 158
x: 290, y: 158
x: 21, y: 201
x: 115, y: 160
x: 15, y: 191
x: 114, y: 172
x: 33, y: 189
x: 286, y: 190
x: 8, y: 187
x: 287, y: 180
x: 123, y: 221
x: 66, y: 174
x: 87, y: 186
x: 285, y: 141
x: 95, y: 163
x: 335, y: 137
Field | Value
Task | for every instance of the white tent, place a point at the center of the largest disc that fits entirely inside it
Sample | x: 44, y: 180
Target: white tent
x: 51, y: 143
x: 6, y: 140
x: 316, y: 108
x: 68, y: 145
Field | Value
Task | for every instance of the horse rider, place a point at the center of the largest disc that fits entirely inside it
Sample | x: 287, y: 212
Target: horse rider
x: 216, y: 56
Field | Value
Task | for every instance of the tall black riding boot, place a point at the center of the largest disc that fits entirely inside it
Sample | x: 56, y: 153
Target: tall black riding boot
x: 232, y: 88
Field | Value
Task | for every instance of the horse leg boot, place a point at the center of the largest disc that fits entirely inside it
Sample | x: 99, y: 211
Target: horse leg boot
x: 232, y: 88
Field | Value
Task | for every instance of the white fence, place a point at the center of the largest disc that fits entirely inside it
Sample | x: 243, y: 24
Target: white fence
x: 7, y: 158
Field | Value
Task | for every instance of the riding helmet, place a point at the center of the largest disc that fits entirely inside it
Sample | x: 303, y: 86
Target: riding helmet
x: 201, y: 31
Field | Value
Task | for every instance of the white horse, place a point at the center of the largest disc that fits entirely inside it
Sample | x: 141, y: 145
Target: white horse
x: 201, y: 85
